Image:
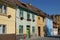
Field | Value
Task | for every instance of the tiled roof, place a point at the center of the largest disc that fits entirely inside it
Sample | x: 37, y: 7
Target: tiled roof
x: 12, y: 2
x: 36, y: 10
x: 33, y: 9
x: 27, y: 6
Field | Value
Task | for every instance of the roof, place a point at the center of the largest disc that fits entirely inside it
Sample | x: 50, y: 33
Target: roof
x: 54, y: 19
x: 56, y: 15
x: 36, y: 10
x: 31, y: 8
x: 11, y: 2
x: 26, y: 6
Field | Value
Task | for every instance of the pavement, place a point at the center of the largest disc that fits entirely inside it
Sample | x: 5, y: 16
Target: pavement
x: 41, y: 38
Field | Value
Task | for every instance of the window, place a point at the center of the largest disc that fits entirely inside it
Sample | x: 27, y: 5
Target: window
x: 33, y: 29
x: 3, y: 9
x: 0, y: 8
x: 43, y: 19
x: 21, y: 13
x: 2, y: 29
x: 20, y: 29
x: 39, y: 18
x: 28, y: 15
x: 33, y: 16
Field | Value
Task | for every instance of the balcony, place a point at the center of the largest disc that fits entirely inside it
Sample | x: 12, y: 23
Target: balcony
x: 21, y: 18
x: 28, y: 19
x: 33, y: 20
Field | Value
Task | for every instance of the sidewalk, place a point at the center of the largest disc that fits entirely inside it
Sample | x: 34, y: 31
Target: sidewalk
x: 42, y: 38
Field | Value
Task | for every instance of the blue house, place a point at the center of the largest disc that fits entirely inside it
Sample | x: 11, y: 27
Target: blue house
x: 49, y: 27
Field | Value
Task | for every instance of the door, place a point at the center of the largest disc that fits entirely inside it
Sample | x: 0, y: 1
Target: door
x: 38, y: 31
x: 28, y: 31
x: 58, y: 30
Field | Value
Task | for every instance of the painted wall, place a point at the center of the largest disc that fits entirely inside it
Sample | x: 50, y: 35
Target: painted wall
x: 40, y: 23
x: 24, y: 22
x: 55, y: 31
x: 9, y: 22
x: 49, y: 27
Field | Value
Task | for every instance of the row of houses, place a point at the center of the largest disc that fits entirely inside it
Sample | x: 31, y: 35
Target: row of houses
x: 56, y: 23
x: 24, y: 19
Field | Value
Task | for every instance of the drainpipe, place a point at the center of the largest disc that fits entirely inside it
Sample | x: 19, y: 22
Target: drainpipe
x: 15, y: 15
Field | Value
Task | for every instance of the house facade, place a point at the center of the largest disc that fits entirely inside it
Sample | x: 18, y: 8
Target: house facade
x: 7, y: 18
x: 49, y: 26
x: 25, y: 22
x: 56, y: 19
x: 21, y: 19
x: 55, y: 28
x: 41, y: 22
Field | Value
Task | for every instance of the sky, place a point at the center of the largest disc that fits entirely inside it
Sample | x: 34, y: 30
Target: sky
x: 51, y: 7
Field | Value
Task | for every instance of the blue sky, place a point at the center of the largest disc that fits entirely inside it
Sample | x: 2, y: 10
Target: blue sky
x: 48, y: 6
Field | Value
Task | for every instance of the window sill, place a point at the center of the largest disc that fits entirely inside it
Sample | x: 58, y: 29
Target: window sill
x: 3, y: 14
x: 9, y: 16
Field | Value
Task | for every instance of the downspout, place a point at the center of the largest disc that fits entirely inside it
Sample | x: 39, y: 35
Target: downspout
x: 15, y: 18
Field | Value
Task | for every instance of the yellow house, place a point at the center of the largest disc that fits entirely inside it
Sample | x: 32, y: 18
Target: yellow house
x: 7, y: 17
x: 40, y: 21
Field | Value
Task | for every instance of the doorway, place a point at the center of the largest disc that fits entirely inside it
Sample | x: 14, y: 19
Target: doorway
x: 58, y: 31
x: 28, y: 31
x: 38, y: 31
